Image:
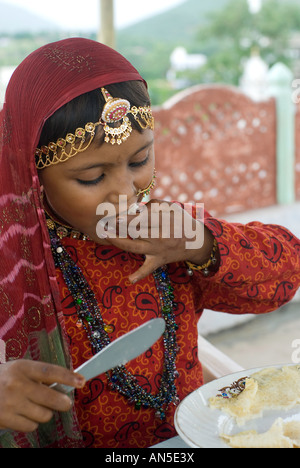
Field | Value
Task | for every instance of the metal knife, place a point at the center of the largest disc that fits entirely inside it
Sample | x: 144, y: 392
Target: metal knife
x: 120, y: 351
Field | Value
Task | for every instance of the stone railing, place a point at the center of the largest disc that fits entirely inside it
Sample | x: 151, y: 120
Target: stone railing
x: 216, y: 146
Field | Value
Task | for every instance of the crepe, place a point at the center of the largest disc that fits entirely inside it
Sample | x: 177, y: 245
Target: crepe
x: 271, y: 388
x: 280, y: 435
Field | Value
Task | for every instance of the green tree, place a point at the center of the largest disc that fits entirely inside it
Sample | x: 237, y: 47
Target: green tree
x: 233, y: 32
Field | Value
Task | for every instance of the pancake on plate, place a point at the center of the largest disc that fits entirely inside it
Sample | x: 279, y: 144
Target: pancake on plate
x: 280, y: 435
x: 268, y: 389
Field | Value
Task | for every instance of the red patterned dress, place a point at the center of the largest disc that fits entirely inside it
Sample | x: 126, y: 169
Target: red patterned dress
x: 259, y: 271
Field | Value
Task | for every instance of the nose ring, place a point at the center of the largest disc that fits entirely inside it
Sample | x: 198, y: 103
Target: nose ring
x: 148, y: 189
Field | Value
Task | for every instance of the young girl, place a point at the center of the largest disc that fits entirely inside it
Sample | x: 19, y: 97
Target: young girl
x: 77, y: 133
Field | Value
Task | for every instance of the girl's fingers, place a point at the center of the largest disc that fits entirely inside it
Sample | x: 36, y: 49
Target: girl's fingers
x: 149, y: 266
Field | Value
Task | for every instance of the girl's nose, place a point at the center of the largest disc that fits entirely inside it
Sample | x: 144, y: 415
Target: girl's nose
x: 123, y: 187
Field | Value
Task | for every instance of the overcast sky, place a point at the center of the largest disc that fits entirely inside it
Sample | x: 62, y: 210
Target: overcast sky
x: 85, y: 15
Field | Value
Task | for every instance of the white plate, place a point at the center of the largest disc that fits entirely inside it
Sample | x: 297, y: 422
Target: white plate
x: 200, y: 427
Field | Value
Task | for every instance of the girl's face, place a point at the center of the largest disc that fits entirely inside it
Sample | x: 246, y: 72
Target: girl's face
x: 75, y: 188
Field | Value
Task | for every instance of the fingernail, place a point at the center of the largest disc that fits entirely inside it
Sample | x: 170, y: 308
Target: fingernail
x: 134, y: 280
x: 80, y: 381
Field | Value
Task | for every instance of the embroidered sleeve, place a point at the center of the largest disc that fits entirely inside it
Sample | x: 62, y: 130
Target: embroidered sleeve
x: 259, y: 268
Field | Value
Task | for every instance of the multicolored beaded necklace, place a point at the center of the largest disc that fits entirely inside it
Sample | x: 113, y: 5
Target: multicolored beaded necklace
x: 89, y: 317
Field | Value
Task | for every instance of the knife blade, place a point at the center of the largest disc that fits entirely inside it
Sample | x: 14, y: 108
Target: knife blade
x: 120, y: 351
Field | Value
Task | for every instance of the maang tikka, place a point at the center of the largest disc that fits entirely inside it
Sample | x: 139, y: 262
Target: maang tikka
x: 115, y: 110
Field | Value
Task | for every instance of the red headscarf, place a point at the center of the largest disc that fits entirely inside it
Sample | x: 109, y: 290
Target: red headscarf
x: 30, y: 315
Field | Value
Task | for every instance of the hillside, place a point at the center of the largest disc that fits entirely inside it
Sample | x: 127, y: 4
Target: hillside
x: 149, y: 43
x: 177, y: 26
x: 14, y: 19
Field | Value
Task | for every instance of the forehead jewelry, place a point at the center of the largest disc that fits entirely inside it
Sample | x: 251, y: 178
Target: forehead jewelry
x: 115, y: 122
x: 117, y: 110
x: 114, y: 111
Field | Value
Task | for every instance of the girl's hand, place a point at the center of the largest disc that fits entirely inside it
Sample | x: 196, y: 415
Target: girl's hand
x: 25, y: 397
x: 164, y: 233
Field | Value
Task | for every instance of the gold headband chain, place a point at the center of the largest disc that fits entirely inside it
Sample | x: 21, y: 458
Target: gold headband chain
x: 115, y: 110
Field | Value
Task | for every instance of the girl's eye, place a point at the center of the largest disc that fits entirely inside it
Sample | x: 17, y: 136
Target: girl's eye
x: 91, y: 182
x: 99, y: 179
x: 140, y: 163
